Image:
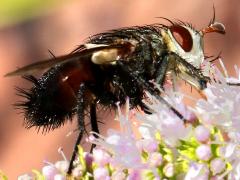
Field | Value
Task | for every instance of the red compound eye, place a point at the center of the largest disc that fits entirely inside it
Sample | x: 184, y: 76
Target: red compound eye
x: 183, y: 37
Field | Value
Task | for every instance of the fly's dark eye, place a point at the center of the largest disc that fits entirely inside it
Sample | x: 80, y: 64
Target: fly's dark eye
x: 183, y: 37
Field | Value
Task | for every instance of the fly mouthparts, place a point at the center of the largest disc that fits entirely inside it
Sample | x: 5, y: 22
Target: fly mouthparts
x: 203, y: 84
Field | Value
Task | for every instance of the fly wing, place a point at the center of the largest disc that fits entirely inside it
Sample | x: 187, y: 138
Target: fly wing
x: 100, y: 54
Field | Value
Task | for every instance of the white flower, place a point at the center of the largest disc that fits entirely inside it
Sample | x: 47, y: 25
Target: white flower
x: 204, y: 152
x: 125, y: 150
x: 148, y: 145
x: 101, y: 174
x: 197, y: 171
x: 59, y: 177
x: 235, y: 172
x: 217, y: 165
x: 49, y: 171
x: 62, y: 166
x: 168, y: 170
x: 25, y: 177
x: 118, y: 175
x: 231, y: 153
x: 163, y: 120
x: 122, y: 144
x: 155, y: 159
x: 202, y: 133
x: 101, y: 157
x: 134, y: 175
x: 222, y: 106
x: 77, y: 171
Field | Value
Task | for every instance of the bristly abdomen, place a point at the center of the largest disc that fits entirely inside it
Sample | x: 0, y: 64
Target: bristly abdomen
x: 52, y: 99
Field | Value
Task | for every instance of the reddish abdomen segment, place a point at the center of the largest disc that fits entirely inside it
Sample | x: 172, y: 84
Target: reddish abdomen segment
x: 70, y: 78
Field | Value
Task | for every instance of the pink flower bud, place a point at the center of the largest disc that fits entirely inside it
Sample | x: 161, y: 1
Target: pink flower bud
x: 101, y: 174
x: 204, y: 152
x: 119, y: 175
x: 49, y: 171
x: 101, y: 157
x: 151, y: 145
x: 168, y: 170
x: 62, y: 165
x: 25, y: 177
x: 77, y: 171
x: 134, y: 175
x: 155, y: 159
x: 202, y: 133
x: 88, y: 158
x: 59, y: 177
x: 217, y: 165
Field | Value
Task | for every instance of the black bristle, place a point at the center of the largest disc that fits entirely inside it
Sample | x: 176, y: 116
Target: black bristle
x: 39, y: 109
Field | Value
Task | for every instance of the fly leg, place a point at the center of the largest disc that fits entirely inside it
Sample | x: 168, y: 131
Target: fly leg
x: 81, y: 124
x: 149, y: 87
x: 93, y: 120
x: 162, y: 70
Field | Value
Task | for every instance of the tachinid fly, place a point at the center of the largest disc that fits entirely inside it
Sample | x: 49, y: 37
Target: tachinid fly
x: 109, y: 67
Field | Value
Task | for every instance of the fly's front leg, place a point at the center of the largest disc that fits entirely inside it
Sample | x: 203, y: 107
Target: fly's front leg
x: 148, y: 87
x: 162, y: 70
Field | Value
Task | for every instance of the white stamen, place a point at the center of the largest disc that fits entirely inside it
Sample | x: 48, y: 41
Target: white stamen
x: 237, y: 70
x: 60, y: 151
x: 223, y: 68
x: 48, y: 163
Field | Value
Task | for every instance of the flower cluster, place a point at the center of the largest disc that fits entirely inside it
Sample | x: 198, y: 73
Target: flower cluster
x: 205, y: 145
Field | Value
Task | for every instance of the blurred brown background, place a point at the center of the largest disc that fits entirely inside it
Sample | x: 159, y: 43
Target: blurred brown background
x: 60, y: 27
